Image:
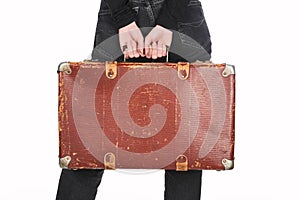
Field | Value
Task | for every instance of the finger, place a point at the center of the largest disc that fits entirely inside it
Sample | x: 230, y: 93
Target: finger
x: 154, y: 50
x: 124, y: 49
x: 122, y: 40
x: 135, y: 49
x: 140, y: 45
x: 137, y: 37
x: 147, y: 46
x: 159, y: 49
x: 149, y: 51
x: 164, y: 50
x: 130, y: 50
x: 126, y: 54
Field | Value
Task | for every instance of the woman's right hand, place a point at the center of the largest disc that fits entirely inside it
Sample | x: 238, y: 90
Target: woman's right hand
x: 131, y: 41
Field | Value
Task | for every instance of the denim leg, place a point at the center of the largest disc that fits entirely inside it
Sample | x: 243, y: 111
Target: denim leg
x: 191, y: 41
x: 79, y: 184
x: 183, y: 185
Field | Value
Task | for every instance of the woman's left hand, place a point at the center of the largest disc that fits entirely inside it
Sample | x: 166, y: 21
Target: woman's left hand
x: 157, y: 42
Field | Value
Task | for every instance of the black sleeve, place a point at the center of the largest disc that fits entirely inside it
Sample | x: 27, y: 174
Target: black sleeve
x: 171, y: 12
x: 121, y: 12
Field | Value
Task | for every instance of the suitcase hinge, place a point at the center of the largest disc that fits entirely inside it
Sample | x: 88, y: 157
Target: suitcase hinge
x: 109, y: 161
x: 228, y: 164
x: 181, y: 163
x: 183, y: 70
x: 64, y: 162
x: 111, y: 69
x: 229, y: 70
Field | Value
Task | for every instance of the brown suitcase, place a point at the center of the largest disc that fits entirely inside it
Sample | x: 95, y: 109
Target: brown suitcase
x: 146, y: 115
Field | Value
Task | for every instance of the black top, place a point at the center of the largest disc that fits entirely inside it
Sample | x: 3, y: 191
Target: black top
x: 170, y: 13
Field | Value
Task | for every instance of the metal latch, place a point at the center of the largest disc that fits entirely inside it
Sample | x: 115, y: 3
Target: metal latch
x: 111, y: 69
x: 183, y: 70
x: 182, y: 163
x: 110, y: 161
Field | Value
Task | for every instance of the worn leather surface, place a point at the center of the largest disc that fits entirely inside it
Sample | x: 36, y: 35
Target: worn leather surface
x: 147, y: 117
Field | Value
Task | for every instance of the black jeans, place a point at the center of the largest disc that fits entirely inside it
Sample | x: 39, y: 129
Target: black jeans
x: 82, y: 184
x: 190, y: 42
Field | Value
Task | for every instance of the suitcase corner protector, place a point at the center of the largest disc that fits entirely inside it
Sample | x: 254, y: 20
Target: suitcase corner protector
x: 64, y: 67
x: 229, y: 70
x: 64, y: 162
x: 228, y: 164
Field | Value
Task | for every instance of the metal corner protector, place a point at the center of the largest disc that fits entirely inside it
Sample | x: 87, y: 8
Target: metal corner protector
x: 64, y: 67
x: 64, y: 162
x: 228, y: 164
x: 229, y: 70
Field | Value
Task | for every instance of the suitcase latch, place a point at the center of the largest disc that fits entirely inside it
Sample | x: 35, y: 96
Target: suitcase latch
x: 111, y: 69
x: 183, y: 70
x: 181, y: 163
x: 109, y: 161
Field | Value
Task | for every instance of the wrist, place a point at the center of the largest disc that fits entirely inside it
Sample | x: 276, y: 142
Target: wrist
x: 130, y: 26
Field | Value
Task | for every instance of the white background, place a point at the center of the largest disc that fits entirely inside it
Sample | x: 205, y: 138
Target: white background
x: 260, y: 37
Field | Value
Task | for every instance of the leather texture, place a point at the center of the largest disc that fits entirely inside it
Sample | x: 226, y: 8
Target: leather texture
x: 146, y: 116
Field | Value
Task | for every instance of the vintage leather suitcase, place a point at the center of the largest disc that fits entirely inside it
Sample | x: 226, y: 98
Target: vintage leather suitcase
x: 146, y: 115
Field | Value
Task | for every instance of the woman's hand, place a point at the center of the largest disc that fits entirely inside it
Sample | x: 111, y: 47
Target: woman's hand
x: 157, y: 42
x: 131, y: 41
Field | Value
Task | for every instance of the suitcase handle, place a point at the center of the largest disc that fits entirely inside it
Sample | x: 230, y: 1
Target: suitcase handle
x: 183, y: 68
x: 167, y: 56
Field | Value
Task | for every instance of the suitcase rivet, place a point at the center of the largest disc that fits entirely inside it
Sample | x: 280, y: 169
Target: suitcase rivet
x: 182, y: 73
x: 110, y: 73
